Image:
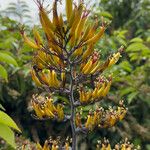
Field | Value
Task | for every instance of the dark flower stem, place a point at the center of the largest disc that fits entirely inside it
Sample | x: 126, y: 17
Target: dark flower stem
x: 72, y: 118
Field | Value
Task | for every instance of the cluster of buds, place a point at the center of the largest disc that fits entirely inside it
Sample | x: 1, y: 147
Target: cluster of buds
x: 102, y: 87
x: 54, y: 145
x: 101, y: 118
x: 125, y: 145
x: 44, y: 108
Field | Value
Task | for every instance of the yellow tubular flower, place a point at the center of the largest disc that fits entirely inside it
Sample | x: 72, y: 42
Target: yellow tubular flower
x: 36, y: 109
x: 78, y: 52
x: 112, y: 120
x: 108, y: 147
x: 66, y: 146
x: 77, y: 18
x: 114, y: 59
x: 29, y: 41
x: 87, y: 52
x: 107, y: 88
x: 54, y: 78
x: 121, y: 113
x: 60, y: 112
x: 78, y: 120
x: 95, y: 93
x: 87, y: 67
x: 55, y: 146
x: 81, y: 95
x: 89, y: 122
x: 68, y: 9
x: 100, y: 91
x: 123, y: 147
x: 95, y: 68
x: 70, y: 22
x: 34, y: 78
x: 48, y: 113
x: 63, y: 76
x: 96, y: 37
x: 88, y: 95
x: 57, y: 60
x: 79, y: 28
x: 78, y: 14
x: 86, y: 32
x: 55, y: 14
x: 45, y: 21
x: 47, y: 26
x: 63, y: 79
x: 91, y: 32
x: 50, y: 105
x: 37, y: 37
x: 95, y: 118
x: 46, y: 146
x: 44, y: 76
x: 61, y: 23
x: 38, y: 146
x: 39, y: 112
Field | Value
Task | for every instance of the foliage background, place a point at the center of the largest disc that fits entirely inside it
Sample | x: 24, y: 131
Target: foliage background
x: 129, y: 27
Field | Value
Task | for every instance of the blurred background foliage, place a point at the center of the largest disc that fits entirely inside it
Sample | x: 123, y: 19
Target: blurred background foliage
x: 131, y: 81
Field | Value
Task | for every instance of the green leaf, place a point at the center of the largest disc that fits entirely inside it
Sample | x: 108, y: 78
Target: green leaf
x: 136, y: 47
x: 7, y: 59
x: 7, y: 134
x: 137, y: 39
x: 126, y: 91
x: 106, y: 14
x: 131, y: 96
x: 126, y: 66
x: 3, y: 73
x: 8, y: 121
x: 1, y: 107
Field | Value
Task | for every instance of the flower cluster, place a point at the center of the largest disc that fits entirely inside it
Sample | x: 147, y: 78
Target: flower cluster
x: 74, y: 39
x: 102, y: 87
x: 101, y: 118
x: 54, y: 145
x: 48, y: 78
x: 44, y: 108
x: 124, y: 145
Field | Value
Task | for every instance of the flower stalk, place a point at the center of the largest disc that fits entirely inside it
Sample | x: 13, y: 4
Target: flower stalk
x: 66, y: 64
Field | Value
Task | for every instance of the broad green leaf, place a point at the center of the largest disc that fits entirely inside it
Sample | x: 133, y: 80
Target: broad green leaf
x: 131, y: 96
x: 126, y: 66
x: 148, y: 146
x: 137, y: 39
x: 148, y: 39
x: 3, y: 73
x: 7, y: 134
x: 106, y: 14
x: 126, y: 91
x: 136, y: 47
x: 1, y: 107
x: 5, y: 119
x: 7, y: 59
